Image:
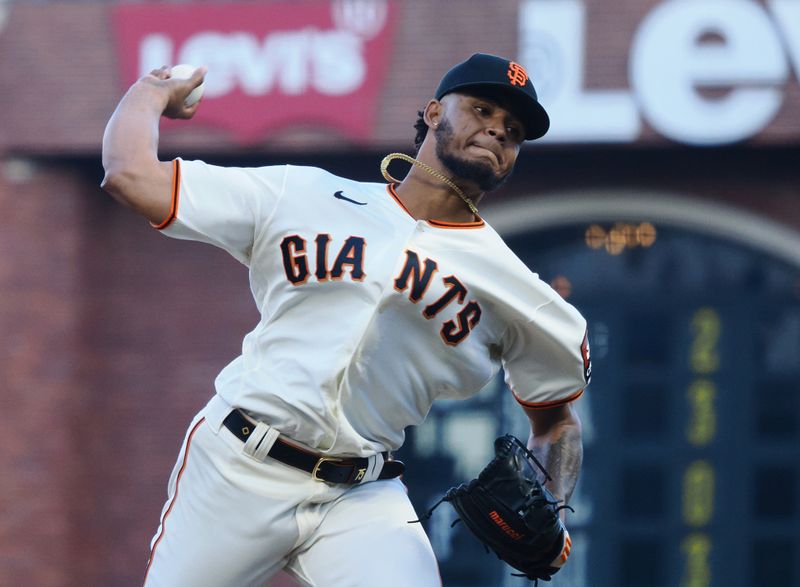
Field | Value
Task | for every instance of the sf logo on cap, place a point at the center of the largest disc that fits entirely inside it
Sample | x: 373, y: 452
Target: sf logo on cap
x: 516, y: 74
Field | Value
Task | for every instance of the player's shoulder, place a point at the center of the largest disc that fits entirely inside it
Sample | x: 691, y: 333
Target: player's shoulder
x: 497, y: 248
x: 205, y: 169
x: 519, y: 277
x: 300, y: 175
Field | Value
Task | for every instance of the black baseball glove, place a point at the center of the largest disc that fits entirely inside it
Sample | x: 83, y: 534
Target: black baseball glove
x: 512, y: 513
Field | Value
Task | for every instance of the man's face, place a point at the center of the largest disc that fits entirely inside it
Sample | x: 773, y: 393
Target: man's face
x: 478, y: 139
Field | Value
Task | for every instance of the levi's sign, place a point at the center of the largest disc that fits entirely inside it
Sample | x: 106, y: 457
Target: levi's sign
x: 700, y: 72
x: 312, y: 64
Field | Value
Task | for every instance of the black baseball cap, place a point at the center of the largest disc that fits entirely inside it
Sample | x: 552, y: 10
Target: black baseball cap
x: 493, y: 74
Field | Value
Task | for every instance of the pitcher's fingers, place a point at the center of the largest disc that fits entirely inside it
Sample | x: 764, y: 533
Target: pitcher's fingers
x: 161, y: 73
x: 198, y: 76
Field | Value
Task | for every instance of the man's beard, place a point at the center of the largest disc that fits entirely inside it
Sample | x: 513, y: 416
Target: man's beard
x: 478, y: 172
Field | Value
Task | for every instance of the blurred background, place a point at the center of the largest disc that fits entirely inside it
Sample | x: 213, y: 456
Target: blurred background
x: 664, y: 204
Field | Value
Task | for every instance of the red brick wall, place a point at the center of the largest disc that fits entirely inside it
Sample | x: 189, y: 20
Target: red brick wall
x: 158, y: 320
x: 39, y: 291
x: 113, y: 335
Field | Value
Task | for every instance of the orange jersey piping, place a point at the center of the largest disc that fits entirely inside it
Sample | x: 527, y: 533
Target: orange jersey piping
x: 390, y: 189
x: 174, y: 498
x: 457, y: 225
x: 437, y: 223
x: 550, y: 404
x: 176, y: 190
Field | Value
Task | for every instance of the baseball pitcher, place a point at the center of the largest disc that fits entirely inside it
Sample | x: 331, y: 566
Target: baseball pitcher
x: 375, y: 300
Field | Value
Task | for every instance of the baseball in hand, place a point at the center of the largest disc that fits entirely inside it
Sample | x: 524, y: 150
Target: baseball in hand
x: 185, y: 71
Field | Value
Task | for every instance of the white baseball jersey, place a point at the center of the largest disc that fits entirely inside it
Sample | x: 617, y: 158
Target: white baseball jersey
x: 368, y: 315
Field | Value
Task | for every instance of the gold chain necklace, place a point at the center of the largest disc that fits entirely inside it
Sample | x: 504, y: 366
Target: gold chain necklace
x: 441, y: 177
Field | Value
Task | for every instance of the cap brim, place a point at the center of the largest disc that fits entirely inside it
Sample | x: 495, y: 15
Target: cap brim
x: 530, y: 112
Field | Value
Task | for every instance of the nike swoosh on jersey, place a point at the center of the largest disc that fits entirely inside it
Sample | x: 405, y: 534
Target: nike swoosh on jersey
x: 339, y: 196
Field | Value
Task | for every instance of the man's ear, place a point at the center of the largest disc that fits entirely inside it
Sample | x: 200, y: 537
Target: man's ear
x: 433, y: 113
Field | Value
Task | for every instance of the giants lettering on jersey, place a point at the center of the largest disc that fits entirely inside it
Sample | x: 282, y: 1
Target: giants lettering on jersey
x: 417, y: 277
x: 414, y: 276
x: 295, y: 259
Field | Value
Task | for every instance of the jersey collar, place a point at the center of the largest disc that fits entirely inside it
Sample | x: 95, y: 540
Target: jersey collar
x: 479, y: 223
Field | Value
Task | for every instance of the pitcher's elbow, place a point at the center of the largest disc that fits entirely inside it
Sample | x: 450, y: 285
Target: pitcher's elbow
x: 107, y: 183
x: 114, y: 182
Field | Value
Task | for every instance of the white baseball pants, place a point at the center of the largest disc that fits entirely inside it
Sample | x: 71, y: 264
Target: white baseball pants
x: 233, y: 521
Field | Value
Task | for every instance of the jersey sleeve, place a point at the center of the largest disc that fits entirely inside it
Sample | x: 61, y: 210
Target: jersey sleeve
x: 222, y: 206
x: 546, y: 359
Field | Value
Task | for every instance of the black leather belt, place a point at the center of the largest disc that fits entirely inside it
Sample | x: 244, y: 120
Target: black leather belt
x: 348, y: 471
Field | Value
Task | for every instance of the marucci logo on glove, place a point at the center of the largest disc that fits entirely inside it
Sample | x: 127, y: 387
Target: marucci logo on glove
x: 505, y: 527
